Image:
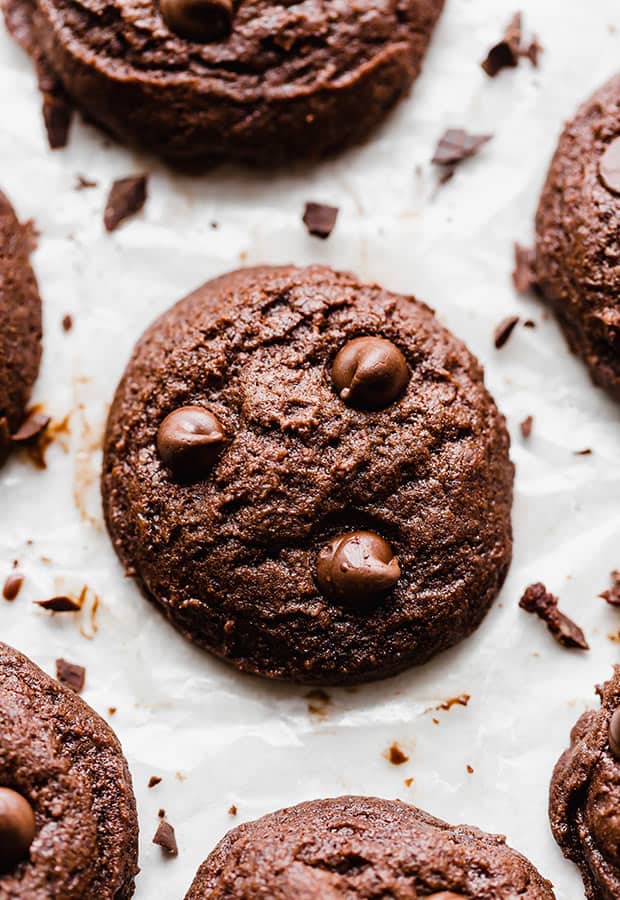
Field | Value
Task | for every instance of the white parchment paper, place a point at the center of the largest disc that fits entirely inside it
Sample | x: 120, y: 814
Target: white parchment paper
x: 217, y: 738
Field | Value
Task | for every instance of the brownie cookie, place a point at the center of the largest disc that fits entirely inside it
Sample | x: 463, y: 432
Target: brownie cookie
x: 584, y: 803
x: 202, y: 81
x: 68, y: 824
x: 308, y: 476
x: 20, y: 315
x: 577, y: 227
x: 361, y: 847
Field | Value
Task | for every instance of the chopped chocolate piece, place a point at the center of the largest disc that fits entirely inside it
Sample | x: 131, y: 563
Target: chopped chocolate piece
x: 320, y: 219
x: 67, y: 322
x: 505, y: 54
x: 165, y: 838
x: 539, y: 601
x: 154, y: 780
x: 587, y: 452
x: 455, y: 145
x: 12, y: 586
x: 613, y: 594
x: 59, y: 604
x: 470, y: 770
x: 524, y: 274
x: 70, y: 674
x: 233, y: 810
x: 396, y: 755
x: 33, y: 425
x: 57, y: 115
x: 127, y: 197
x: 161, y: 813
x: 504, y: 330
x: 526, y: 426
x: 82, y: 183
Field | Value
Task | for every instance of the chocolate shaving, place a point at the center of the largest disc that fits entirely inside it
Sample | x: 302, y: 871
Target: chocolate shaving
x: 540, y: 602
x: 12, y: 586
x: 504, y: 330
x: 320, y: 219
x: 59, y: 604
x: 455, y: 145
x: 57, y: 115
x: 70, y: 674
x: 526, y: 426
x: 613, y: 594
x: 126, y: 198
x: 33, y: 425
x: 524, y: 274
x: 154, y: 780
x: 165, y: 838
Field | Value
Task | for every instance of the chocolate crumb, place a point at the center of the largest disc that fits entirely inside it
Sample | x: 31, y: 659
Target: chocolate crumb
x: 57, y: 115
x: 154, y: 780
x: 409, y: 782
x: 33, y: 425
x: 470, y: 770
x: 82, y: 183
x: 161, y: 813
x: 111, y: 710
x: 396, y: 755
x: 524, y: 274
x: 540, y: 602
x: 67, y: 322
x: 165, y: 838
x: 319, y: 702
x: 320, y: 219
x: 461, y: 700
x: 526, y: 426
x: 233, y: 810
x: 455, y: 145
x: 613, y: 594
x: 70, y: 674
x: 504, y: 330
x: 59, y: 604
x: 126, y: 198
x: 587, y: 452
x: 510, y: 49
x: 12, y: 586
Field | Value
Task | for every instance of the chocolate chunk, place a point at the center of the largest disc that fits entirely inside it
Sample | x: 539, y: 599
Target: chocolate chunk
x: 526, y: 426
x: 357, y: 565
x: 189, y: 440
x: 12, y: 586
x: 455, y: 145
x: 524, y: 274
x: 165, y: 838
x: 613, y: 594
x: 396, y: 755
x: 59, y: 604
x: 154, y: 780
x: 33, y: 425
x: 70, y: 674
x: 320, y: 219
x: 127, y: 197
x: 614, y: 733
x: 537, y: 600
x: 609, y: 167
x: 17, y: 828
x: 199, y: 20
x: 370, y: 373
x: 504, y: 330
x: 57, y: 115
x: 506, y: 53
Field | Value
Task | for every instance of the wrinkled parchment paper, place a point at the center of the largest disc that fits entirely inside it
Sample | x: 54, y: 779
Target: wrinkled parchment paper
x: 217, y: 738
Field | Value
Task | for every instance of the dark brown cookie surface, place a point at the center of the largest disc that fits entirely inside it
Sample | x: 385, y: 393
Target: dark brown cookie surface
x: 362, y: 847
x: 60, y: 762
x: 577, y: 226
x: 20, y: 315
x: 286, y: 530
x: 278, y: 82
x: 584, y: 802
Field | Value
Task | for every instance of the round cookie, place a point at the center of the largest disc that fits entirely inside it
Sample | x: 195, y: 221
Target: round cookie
x: 68, y: 824
x: 584, y: 801
x: 577, y: 226
x: 20, y: 314
x: 364, y: 847
x: 202, y: 81
x: 307, y: 517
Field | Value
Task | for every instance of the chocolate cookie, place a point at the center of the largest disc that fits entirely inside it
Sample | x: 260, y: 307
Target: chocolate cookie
x: 201, y: 81
x: 363, y: 847
x: 68, y: 825
x: 20, y: 331
x: 577, y: 226
x: 308, y: 476
x: 584, y: 802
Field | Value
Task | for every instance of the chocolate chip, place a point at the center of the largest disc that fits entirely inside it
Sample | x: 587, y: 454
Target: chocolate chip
x: 613, y: 594
x: 526, y: 426
x: 17, y: 828
x: 505, y: 54
x: 524, y: 274
x: 614, y: 733
x: 370, y: 373
x: 165, y: 838
x: 59, y: 604
x: 320, y: 219
x: 189, y: 440
x: 57, y: 115
x: 540, y: 602
x: 127, y: 197
x: 455, y: 145
x: 33, y: 425
x: 609, y: 167
x: 154, y: 780
x: 70, y: 674
x: 12, y: 586
x: 67, y: 322
x: 504, y: 330
x: 199, y: 20
x: 357, y: 565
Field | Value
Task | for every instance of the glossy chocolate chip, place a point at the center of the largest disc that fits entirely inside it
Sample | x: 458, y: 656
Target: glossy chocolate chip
x: 189, y: 440
x: 370, y: 373
x: 199, y: 20
x: 609, y: 167
x: 614, y: 733
x: 17, y: 828
x: 357, y: 565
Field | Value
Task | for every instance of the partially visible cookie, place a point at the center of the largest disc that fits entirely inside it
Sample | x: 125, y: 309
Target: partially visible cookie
x: 584, y: 802
x: 68, y: 824
x: 362, y: 847
x: 577, y: 235
x: 20, y: 318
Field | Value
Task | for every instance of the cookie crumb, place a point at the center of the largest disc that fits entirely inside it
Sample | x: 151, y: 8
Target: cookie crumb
x: 526, y: 426
x: 12, y: 586
x: 82, y: 183
x: 126, y: 198
x: 461, y: 700
x: 67, y: 322
x: 320, y: 219
x: 111, y: 710
x: 232, y: 810
x: 470, y: 770
x: 540, y: 602
x: 154, y: 780
x: 524, y: 274
x: 409, y: 782
x: 396, y: 755
x: 59, y: 604
x: 612, y: 596
x: 71, y: 675
x: 587, y: 452
x: 165, y: 838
